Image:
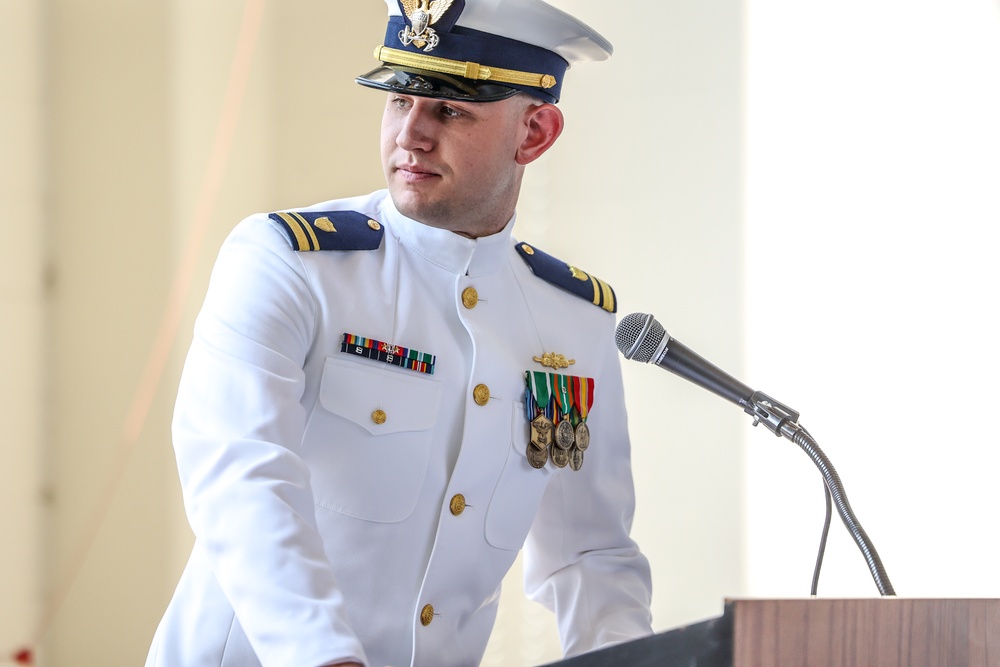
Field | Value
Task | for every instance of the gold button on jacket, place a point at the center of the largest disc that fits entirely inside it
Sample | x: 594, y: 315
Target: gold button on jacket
x: 427, y: 614
x: 470, y: 297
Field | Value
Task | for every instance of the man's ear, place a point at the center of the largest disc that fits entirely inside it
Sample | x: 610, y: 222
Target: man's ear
x: 544, y: 123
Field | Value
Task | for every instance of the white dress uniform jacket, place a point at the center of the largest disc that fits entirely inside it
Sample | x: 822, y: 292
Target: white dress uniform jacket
x: 323, y: 535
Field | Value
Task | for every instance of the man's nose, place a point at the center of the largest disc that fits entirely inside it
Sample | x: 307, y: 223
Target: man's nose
x: 416, y: 130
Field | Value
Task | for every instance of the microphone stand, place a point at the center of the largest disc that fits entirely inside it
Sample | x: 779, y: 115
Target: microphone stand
x: 782, y: 421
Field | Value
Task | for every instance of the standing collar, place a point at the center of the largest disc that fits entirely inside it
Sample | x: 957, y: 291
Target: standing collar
x: 452, y: 252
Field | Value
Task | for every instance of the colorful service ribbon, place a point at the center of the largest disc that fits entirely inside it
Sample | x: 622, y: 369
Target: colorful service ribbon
x: 394, y: 355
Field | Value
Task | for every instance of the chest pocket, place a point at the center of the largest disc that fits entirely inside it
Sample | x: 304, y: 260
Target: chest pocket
x: 519, y: 490
x: 368, y: 439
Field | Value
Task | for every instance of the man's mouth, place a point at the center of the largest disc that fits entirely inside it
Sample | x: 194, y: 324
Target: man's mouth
x: 413, y: 173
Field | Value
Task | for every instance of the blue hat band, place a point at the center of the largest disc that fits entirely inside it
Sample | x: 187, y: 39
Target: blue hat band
x: 467, y: 45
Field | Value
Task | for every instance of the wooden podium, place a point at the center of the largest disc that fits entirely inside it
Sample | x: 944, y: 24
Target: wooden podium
x: 816, y: 632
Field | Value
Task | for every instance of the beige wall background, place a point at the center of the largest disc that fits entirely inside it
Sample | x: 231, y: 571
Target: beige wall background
x: 871, y: 233
x: 133, y: 136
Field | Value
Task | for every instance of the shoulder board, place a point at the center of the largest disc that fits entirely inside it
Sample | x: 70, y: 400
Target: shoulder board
x: 570, y: 278
x: 330, y: 230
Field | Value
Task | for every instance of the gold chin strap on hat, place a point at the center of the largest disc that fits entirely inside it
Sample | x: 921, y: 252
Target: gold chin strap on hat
x: 465, y: 69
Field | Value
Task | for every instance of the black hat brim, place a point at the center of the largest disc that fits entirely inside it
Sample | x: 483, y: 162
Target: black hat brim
x: 424, y: 83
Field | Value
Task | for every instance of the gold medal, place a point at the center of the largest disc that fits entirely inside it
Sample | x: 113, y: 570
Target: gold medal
x: 565, y: 435
x: 560, y: 457
x: 541, y: 432
x: 575, y: 458
x: 537, y: 457
x: 582, y: 436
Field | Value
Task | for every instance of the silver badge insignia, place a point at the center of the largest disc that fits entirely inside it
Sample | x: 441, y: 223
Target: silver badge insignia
x: 422, y: 14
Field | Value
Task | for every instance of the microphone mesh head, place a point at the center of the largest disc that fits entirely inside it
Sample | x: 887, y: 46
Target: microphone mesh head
x: 638, y: 335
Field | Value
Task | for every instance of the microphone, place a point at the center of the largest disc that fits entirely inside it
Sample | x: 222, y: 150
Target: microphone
x: 640, y: 337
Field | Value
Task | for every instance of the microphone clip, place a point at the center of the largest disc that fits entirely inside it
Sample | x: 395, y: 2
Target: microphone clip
x: 777, y: 417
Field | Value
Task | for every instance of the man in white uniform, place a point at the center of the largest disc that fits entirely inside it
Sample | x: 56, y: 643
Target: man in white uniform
x: 387, y: 397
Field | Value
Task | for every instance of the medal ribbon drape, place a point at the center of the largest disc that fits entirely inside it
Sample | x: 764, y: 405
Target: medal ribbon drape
x: 540, y: 383
x: 530, y: 408
x: 583, y: 397
x: 561, y: 384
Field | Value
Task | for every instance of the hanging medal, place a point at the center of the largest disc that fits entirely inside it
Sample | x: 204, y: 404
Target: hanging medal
x: 538, y: 398
x: 540, y: 385
x: 536, y: 457
x: 563, y: 423
x: 583, y: 400
x: 564, y: 432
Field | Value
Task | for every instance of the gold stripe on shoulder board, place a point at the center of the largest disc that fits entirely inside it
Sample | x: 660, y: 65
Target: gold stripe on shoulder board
x: 583, y: 276
x: 608, y: 296
x: 309, y: 230
x: 297, y: 230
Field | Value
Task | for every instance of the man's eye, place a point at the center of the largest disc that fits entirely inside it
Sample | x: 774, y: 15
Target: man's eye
x: 450, y: 112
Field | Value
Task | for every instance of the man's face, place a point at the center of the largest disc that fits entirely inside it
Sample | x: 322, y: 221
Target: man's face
x: 453, y: 164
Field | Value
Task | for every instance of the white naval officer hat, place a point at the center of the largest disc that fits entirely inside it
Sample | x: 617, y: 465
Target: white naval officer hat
x: 481, y: 50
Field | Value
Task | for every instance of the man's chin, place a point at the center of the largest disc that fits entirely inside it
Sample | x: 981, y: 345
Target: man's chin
x: 418, y: 208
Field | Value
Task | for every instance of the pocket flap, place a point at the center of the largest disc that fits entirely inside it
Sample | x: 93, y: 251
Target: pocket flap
x: 356, y: 391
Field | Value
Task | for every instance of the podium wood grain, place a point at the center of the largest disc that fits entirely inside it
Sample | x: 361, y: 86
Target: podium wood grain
x: 878, y: 632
